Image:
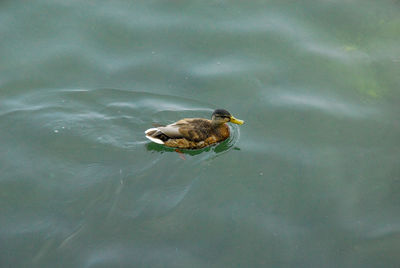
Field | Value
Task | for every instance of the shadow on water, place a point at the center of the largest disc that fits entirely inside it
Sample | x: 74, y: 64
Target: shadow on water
x: 219, y: 148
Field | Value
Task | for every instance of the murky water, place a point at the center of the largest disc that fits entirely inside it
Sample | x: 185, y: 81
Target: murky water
x: 311, y: 180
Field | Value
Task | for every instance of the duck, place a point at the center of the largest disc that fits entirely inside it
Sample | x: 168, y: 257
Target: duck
x: 194, y: 133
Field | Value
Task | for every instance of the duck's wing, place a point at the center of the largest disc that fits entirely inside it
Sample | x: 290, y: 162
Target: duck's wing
x: 178, y: 129
x: 171, y: 131
x: 188, y: 128
x: 160, y: 134
x: 193, y: 129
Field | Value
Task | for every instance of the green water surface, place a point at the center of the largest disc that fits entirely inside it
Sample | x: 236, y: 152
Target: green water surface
x: 311, y: 180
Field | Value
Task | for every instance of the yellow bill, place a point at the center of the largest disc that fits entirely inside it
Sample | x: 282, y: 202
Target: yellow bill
x: 236, y: 121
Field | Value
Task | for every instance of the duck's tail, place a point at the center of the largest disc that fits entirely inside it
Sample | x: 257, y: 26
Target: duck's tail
x: 152, y: 134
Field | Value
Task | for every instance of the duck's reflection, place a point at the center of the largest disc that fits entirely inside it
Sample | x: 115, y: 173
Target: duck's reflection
x: 219, y: 148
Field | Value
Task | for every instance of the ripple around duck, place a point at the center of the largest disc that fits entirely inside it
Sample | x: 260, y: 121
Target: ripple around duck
x: 107, y: 115
x: 115, y: 120
x: 92, y: 143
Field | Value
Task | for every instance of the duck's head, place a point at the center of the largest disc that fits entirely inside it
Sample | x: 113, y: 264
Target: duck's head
x: 221, y: 116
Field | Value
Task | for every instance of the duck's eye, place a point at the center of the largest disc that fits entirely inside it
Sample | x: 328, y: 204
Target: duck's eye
x: 223, y: 117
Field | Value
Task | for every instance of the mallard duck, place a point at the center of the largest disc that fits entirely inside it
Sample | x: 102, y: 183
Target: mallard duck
x: 194, y: 133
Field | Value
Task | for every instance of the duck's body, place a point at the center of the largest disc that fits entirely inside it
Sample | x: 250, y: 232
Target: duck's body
x: 194, y: 133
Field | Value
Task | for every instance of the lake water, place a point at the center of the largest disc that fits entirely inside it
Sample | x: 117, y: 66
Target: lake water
x: 311, y: 180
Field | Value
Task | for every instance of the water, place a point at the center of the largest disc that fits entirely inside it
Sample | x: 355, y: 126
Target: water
x: 311, y: 180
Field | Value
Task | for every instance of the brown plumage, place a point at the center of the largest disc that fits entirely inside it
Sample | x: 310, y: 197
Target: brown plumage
x: 194, y: 133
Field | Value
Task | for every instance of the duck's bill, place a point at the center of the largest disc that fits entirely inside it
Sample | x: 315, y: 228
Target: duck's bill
x: 236, y: 121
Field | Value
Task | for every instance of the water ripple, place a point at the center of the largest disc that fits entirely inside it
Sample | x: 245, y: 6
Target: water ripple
x: 325, y: 104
